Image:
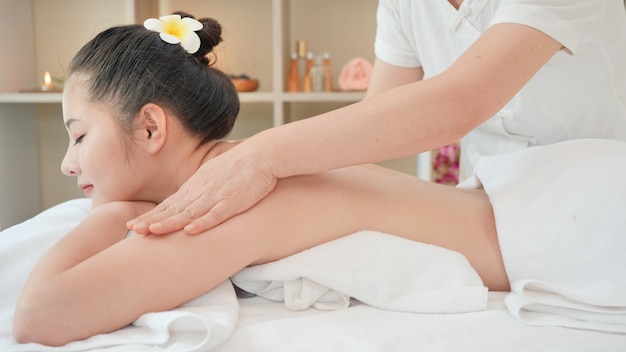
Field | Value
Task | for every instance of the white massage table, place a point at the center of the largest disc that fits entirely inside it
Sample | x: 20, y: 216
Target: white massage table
x: 259, y: 324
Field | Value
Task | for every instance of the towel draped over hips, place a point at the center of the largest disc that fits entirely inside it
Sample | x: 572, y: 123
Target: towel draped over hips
x: 560, y: 210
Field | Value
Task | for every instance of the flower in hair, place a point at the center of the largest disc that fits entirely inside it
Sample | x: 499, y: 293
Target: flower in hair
x: 175, y: 29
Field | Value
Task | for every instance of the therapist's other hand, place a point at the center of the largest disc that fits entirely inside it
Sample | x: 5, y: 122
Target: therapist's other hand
x: 224, y: 186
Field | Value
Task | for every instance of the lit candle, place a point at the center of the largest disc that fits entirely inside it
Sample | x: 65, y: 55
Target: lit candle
x: 47, y: 82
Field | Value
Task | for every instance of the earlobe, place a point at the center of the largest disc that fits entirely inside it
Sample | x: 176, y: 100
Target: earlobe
x: 152, y: 127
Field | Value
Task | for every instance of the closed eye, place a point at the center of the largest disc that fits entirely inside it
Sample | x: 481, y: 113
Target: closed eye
x: 79, y: 140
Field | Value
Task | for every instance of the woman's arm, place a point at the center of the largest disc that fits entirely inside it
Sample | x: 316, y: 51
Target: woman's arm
x: 406, y: 120
x: 51, y: 286
x: 143, y: 274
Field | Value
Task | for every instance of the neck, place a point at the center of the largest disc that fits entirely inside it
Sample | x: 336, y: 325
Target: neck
x: 178, y: 163
x: 456, y: 3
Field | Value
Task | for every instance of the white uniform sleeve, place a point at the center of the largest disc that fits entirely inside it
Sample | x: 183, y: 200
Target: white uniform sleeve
x: 391, y: 44
x: 570, y: 22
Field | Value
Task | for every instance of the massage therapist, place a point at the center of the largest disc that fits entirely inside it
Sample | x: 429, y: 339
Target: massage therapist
x: 498, y: 75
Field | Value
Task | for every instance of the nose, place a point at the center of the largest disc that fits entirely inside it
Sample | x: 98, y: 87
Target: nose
x: 69, y: 165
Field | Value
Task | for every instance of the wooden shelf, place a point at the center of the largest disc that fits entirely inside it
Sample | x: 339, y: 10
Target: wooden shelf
x: 245, y: 97
x: 345, y: 97
x: 34, y: 98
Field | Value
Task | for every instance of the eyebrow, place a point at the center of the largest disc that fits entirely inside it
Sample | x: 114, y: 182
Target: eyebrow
x: 69, y: 122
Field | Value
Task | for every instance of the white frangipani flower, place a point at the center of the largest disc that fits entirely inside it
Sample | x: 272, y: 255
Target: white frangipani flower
x: 174, y: 29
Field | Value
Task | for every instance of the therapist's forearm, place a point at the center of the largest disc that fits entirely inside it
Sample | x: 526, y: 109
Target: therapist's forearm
x: 399, y: 123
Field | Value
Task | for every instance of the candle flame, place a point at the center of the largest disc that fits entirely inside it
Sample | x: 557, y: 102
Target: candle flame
x: 46, y: 79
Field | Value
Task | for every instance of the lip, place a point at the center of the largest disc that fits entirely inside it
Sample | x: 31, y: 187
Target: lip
x: 87, y: 189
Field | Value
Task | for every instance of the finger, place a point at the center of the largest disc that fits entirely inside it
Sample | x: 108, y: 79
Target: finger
x: 148, y: 220
x: 170, y: 207
x: 180, y: 219
x: 157, y: 213
x: 221, y: 212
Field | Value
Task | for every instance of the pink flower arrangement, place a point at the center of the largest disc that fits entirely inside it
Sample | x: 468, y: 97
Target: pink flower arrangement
x: 445, y: 163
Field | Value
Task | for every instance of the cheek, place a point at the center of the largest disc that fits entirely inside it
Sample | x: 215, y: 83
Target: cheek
x: 91, y: 161
x: 111, y: 172
x: 101, y: 164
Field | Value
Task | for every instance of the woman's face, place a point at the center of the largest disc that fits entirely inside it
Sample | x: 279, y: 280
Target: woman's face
x: 97, y: 154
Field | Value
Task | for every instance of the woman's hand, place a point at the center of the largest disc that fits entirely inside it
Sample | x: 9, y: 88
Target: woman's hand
x: 226, y: 185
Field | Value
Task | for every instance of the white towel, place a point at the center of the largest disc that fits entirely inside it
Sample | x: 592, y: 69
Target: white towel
x: 560, y: 213
x: 198, y: 325
x: 600, y: 306
x: 380, y: 270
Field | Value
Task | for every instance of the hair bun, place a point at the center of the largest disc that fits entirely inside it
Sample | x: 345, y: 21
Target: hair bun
x: 210, y: 36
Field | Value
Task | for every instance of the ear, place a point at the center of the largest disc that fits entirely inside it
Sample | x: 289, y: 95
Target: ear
x: 151, y: 132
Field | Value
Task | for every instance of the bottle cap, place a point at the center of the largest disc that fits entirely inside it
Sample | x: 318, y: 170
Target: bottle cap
x: 301, y: 48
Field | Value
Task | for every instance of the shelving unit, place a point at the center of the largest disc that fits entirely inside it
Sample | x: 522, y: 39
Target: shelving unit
x: 30, y: 98
x: 280, y: 23
x: 258, y: 38
x: 244, y: 97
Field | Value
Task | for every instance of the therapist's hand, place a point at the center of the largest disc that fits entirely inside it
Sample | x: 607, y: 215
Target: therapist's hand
x: 226, y: 185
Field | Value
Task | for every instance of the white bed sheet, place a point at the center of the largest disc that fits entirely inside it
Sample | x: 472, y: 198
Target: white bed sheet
x: 267, y: 326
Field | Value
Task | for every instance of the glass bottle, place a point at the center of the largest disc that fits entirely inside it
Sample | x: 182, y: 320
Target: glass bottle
x: 301, y: 52
x: 317, y: 75
x: 307, y: 83
x: 328, y: 74
x: 293, y: 79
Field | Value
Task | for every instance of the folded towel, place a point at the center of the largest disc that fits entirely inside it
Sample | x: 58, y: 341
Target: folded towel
x: 559, y: 213
x: 198, y: 325
x: 380, y: 270
x: 599, y: 306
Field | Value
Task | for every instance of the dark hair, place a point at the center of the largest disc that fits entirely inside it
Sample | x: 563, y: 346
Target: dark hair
x: 130, y: 66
